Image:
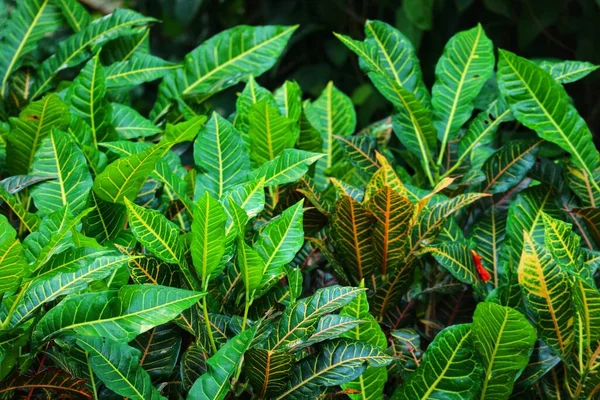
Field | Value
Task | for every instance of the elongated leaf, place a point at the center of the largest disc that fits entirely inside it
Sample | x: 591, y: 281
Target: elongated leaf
x: 369, y: 384
x: 58, y: 157
x: 288, y: 167
x: 289, y: 99
x: 332, y: 326
x: 214, y: 383
x: 134, y: 309
x: 13, y: 265
x: 564, y: 245
x: 541, y: 104
x: 393, y: 214
x: 360, y: 150
x: 337, y: 363
x: 253, y: 93
x: 568, y: 71
x: 160, y: 348
x: 546, y: 290
x: 508, y: 166
x: 86, y: 97
x: 117, y: 365
x: 331, y: 114
x: 155, y: 232
x: 208, y: 237
x: 503, y: 339
x: 16, y: 183
x: 251, y: 265
x: 389, y: 53
x: 279, y: 242
x: 35, y: 122
x: 47, y: 288
x: 467, y: 62
x: 268, y: 370
x: 183, y: 131
x: 488, y: 235
x: 122, y: 180
x: 220, y: 154
x: 28, y: 23
x: 105, y: 221
x: 450, y: 355
x: 457, y: 259
x: 351, y: 230
x: 49, y: 380
x: 129, y: 124
x: 300, y: 319
x: 138, y: 69
x: 269, y: 133
x: 75, y: 14
x: 77, y: 48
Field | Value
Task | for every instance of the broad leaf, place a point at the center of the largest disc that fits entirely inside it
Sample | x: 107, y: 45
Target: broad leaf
x: 288, y: 167
x: 503, y: 339
x: 546, y: 290
x: 129, y: 124
x: 467, y: 62
x: 268, y: 371
x: 568, y: 71
x: 540, y: 103
x: 75, y: 14
x: 220, y: 154
x: 457, y: 259
x: 58, y: 157
x: 450, y: 355
x: 508, y: 166
x: 117, y: 365
x: 134, y: 309
x: 269, y: 133
x: 208, y: 237
x: 138, y: 69
x: 214, y: 383
x: 160, y: 347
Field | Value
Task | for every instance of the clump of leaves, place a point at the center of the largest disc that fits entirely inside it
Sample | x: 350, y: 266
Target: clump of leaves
x: 278, y: 252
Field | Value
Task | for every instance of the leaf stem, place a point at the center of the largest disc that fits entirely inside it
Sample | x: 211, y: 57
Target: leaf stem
x: 208, y: 328
x: 248, y: 302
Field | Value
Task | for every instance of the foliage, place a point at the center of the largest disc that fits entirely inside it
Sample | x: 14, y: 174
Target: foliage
x: 284, y: 250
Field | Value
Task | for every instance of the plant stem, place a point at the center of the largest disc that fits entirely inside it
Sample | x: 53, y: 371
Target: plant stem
x: 208, y: 328
x: 246, y: 308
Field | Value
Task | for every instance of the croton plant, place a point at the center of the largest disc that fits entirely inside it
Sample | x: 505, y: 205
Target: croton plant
x: 281, y: 252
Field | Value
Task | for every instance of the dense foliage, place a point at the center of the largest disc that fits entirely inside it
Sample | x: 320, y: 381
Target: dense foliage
x: 281, y: 251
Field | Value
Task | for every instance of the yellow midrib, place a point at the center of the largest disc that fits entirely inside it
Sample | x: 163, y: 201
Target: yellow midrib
x: 491, y: 365
x: 154, y: 233
x: 234, y: 59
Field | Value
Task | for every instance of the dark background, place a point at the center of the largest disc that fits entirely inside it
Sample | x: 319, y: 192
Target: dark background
x: 563, y: 29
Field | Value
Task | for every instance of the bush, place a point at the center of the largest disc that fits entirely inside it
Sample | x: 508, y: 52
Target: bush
x: 447, y: 251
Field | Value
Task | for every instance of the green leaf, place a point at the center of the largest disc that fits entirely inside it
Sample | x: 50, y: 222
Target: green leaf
x: 28, y: 23
x: 105, y: 221
x: 568, y: 71
x: 220, y: 154
x: 138, y: 69
x: 268, y: 371
x: 122, y: 180
x: 58, y: 157
x: 289, y: 99
x: 300, y: 319
x: 160, y: 349
x: 13, y: 265
x: 193, y: 364
x: 331, y: 114
x: 35, y: 122
x: 503, y: 339
x: 390, y: 54
x: 155, y: 232
x: 237, y: 53
x: 449, y: 356
x: 48, y: 287
x: 338, y: 362
x: 214, y: 383
x: 540, y: 103
x: 332, y: 326
x: 546, y: 289
x: 53, y: 381
x: 252, y: 94
x: 81, y: 133
x: 564, y: 245
x: 393, y: 214
x: 269, y: 133
x: 457, y: 259
x: 208, y: 237
x: 351, y: 231
x: 129, y: 124
x: 360, y: 150
x: 279, y: 242
x: 369, y: 384
x: 117, y: 365
x: 508, y: 166
x: 288, y: 167
x: 134, y: 309
x: 183, y: 131
x: 467, y: 62
x: 488, y: 235
x: 86, y: 97
x: 251, y: 265
x: 75, y: 14
x: 77, y: 48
